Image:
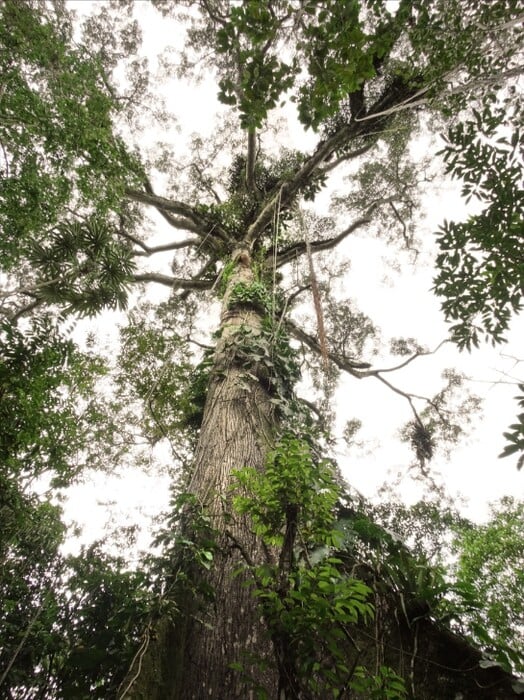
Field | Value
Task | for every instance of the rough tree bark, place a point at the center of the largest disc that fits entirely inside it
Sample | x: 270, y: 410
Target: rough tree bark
x: 189, y: 659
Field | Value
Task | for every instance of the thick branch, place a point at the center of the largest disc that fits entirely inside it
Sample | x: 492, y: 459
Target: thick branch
x: 251, y: 160
x: 151, y: 250
x: 297, y: 249
x: 353, y: 367
x: 348, y: 156
x: 173, y: 282
x: 420, y: 97
x: 204, y: 270
x: 25, y: 310
x: 398, y: 93
x: 284, y: 192
x: 178, y: 222
x: 190, y: 221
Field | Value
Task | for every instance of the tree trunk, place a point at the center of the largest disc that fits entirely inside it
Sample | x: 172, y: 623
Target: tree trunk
x: 191, y: 658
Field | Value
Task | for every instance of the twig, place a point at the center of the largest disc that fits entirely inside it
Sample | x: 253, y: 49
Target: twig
x: 419, y: 353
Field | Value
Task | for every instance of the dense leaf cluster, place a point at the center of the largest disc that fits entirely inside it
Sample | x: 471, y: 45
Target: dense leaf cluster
x: 307, y: 599
x: 59, y: 148
x: 84, y: 267
x: 47, y: 410
x: 480, y: 263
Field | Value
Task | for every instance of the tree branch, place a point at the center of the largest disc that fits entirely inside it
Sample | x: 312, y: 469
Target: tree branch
x: 353, y: 367
x: 29, y: 291
x: 206, y: 184
x: 291, y: 298
x: 213, y: 15
x: 285, y: 191
x: 361, y: 370
x: 398, y: 93
x: 206, y: 267
x: 419, y: 353
x: 151, y: 250
x: 297, y: 249
x: 411, y: 101
x: 173, y: 282
x: 251, y: 160
x: 190, y: 220
x: 25, y: 310
x: 348, y: 156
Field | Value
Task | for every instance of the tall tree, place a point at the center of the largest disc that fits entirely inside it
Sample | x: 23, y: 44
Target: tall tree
x: 258, y: 499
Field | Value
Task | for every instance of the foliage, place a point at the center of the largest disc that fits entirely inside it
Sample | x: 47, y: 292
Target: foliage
x: 351, y: 332
x: 266, y: 354
x: 489, y: 575
x: 515, y: 433
x: 332, y: 43
x: 159, y: 382
x: 340, y: 47
x: 84, y: 267
x: 480, y: 264
x: 385, y: 685
x: 107, y: 610
x: 255, y: 295
x: 51, y: 420
x: 443, y: 421
x: 69, y: 625
x: 294, y: 485
x: 353, y: 70
x: 263, y: 77
x: 56, y: 131
x: 188, y: 540
x: 469, y: 576
x: 308, y: 602
x: 57, y: 613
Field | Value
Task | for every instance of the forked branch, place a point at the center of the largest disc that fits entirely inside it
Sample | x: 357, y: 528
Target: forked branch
x: 361, y: 370
x: 188, y: 220
x: 151, y: 250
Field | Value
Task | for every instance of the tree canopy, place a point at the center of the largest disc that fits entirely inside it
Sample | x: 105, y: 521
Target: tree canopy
x: 269, y: 571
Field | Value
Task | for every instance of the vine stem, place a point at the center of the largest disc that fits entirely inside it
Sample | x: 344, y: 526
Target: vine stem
x: 315, y: 291
x: 26, y: 634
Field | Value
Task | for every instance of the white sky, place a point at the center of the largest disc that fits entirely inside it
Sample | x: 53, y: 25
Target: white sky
x: 400, y: 306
